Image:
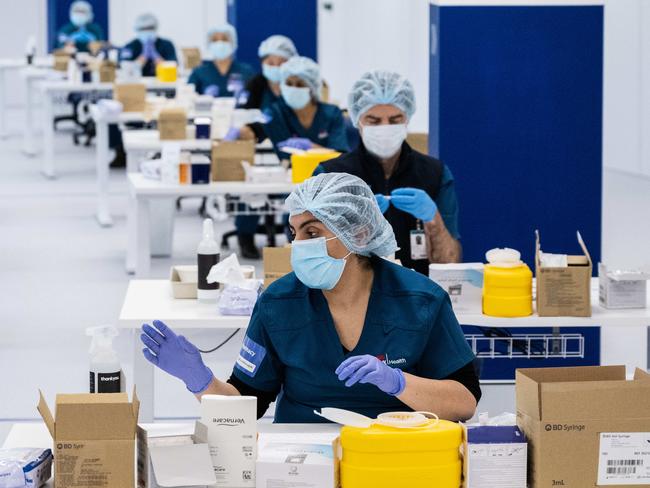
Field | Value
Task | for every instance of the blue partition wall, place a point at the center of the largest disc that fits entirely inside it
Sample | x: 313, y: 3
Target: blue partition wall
x: 516, y: 113
x: 255, y: 20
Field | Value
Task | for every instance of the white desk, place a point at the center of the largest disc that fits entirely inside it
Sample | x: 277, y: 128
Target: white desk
x: 624, y: 333
x: 53, y: 90
x: 142, y: 191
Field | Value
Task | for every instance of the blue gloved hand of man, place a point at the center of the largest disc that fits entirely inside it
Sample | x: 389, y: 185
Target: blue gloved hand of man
x: 175, y: 355
x: 149, y: 51
x: 383, y: 202
x: 416, y: 202
x: 296, y: 143
x: 369, y: 369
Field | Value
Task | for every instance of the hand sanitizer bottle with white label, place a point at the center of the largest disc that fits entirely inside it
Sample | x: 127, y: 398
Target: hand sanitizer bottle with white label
x: 105, y: 370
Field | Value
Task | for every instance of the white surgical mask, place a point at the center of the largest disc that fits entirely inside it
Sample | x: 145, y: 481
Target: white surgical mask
x: 271, y: 73
x: 79, y: 18
x: 383, y: 140
x: 296, y: 97
x: 220, y: 50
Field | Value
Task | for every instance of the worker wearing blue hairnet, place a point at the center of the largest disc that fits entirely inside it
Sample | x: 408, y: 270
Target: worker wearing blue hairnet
x: 81, y: 30
x: 148, y: 49
x: 298, y: 120
x: 221, y: 75
x: 415, y: 191
x: 345, y: 329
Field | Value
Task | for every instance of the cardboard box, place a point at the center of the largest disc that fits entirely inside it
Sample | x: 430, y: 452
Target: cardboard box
x: 181, y: 288
x: 277, y: 263
x: 620, y: 290
x: 582, y: 423
x: 61, y: 60
x: 165, y: 451
x: 131, y: 95
x: 463, y: 282
x: 227, y: 158
x: 191, y: 57
x: 566, y: 291
x: 494, y: 457
x: 94, y: 439
x: 418, y: 141
x: 172, y: 124
x: 288, y: 460
x: 107, y: 72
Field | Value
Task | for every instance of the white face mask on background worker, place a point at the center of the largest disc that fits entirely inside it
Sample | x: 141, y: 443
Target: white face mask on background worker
x: 300, y: 82
x: 274, y: 52
x: 222, y: 42
x: 383, y: 130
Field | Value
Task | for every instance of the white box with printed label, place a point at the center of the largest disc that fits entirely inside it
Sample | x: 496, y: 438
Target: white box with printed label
x: 463, y: 282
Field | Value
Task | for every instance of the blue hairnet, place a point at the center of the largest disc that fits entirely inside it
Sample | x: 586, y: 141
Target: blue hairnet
x: 146, y: 22
x: 379, y: 88
x: 225, y: 28
x: 346, y: 205
x: 277, y: 45
x: 82, y: 6
x: 304, y: 68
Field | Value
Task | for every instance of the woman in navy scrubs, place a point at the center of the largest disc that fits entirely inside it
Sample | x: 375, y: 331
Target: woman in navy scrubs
x: 346, y: 329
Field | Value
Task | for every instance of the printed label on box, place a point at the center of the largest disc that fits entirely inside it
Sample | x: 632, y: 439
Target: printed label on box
x: 624, y: 458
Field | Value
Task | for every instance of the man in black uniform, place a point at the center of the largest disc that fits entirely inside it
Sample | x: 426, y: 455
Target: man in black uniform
x: 416, y: 192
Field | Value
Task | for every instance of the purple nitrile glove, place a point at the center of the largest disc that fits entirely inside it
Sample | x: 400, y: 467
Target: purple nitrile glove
x: 232, y: 134
x: 149, y: 50
x: 416, y: 202
x: 383, y: 202
x: 369, y: 369
x: 212, y: 90
x: 297, y: 143
x: 175, y: 355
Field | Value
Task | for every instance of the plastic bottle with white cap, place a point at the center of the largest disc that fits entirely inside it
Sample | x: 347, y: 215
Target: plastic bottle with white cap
x: 507, y: 284
x: 207, y: 256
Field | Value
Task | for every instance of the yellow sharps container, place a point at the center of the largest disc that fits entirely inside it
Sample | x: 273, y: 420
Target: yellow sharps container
x: 507, y: 285
x: 167, y: 72
x: 383, y: 456
x: 303, y: 164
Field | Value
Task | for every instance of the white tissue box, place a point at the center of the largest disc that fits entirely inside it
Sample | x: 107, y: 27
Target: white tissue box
x: 265, y: 174
x: 622, y: 290
x: 463, y: 282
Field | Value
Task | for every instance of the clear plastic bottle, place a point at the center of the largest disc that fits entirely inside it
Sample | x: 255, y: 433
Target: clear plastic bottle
x: 105, y: 369
x: 207, y: 256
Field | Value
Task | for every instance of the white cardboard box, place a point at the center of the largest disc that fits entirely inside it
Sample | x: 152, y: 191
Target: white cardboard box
x: 165, y: 451
x: 463, y: 282
x: 622, y: 290
x: 291, y: 460
x: 494, y: 457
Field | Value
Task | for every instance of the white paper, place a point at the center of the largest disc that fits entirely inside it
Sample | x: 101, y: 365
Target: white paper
x: 624, y: 458
x: 171, y: 465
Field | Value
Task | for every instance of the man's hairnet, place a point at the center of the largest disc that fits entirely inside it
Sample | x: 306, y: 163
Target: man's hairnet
x: 346, y: 205
x: 82, y: 7
x: 304, y: 68
x: 146, y: 21
x: 379, y: 88
x: 277, y: 45
x: 225, y: 28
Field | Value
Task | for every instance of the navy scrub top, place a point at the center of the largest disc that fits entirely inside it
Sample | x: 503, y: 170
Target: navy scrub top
x: 327, y: 129
x: 133, y: 50
x: 93, y: 32
x: 292, y: 348
x: 207, y: 75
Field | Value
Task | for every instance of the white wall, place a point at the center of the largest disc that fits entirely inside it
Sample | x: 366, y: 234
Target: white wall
x: 360, y: 35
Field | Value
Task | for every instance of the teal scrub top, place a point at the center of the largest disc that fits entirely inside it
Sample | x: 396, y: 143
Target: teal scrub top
x: 292, y: 348
x: 208, y: 75
x: 327, y: 129
x: 81, y: 36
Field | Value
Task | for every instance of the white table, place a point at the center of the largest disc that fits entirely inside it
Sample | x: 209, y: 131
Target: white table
x: 53, y: 90
x: 624, y: 333
x: 142, y: 191
x: 35, y: 434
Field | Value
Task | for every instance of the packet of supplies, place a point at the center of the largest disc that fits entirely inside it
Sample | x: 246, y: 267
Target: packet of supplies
x: 25, y: 467
x: 239, y: 294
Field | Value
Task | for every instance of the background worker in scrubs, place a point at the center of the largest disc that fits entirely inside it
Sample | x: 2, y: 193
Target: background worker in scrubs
x: 297, y: 120
x: 346, y: 329
x: 81, y: 30
x: 415, y: 192
x: 147, y: 49
x: 264, y: 88
x: 222, y: 75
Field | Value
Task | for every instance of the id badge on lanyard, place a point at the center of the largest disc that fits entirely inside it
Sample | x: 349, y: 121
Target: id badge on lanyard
x: 418, y: 243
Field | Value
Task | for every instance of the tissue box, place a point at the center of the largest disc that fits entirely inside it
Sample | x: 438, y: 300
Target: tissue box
x: 172, y: 124
x: 463, y: 282
x: 132, y: 96
x: 287, y: 460
x: 184, y: 281
x: 166, y: 451
x: 564, y: 292
x: 227, y: 158
x: 494, y: 457
x: 622, y: 290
